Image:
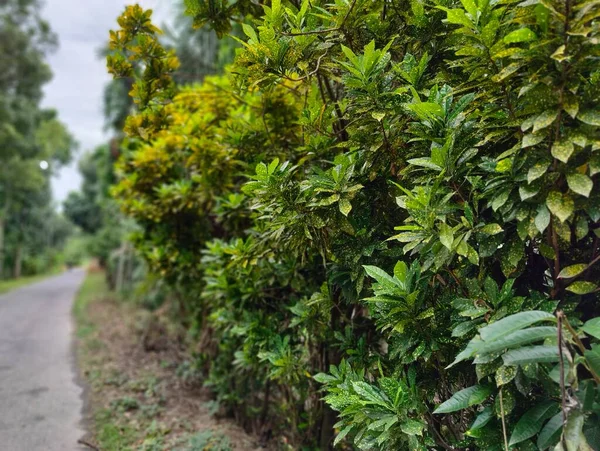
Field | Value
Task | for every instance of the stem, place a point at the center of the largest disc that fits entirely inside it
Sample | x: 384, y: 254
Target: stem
x: 503, y: 422
x: 553, y: 237
x: 563, y: 391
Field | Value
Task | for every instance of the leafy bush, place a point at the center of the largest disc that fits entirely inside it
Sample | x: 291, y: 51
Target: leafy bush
x: 377, y: 196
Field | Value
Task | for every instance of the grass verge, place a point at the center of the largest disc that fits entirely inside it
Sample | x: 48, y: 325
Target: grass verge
x: 136, y: 402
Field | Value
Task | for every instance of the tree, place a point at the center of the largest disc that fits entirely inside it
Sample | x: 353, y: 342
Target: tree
x: 28, y: 134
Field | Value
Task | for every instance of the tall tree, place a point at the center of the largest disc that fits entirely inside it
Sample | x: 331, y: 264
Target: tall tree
x: 32, y: 141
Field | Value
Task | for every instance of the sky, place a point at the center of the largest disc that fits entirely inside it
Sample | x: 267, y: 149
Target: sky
x: 80, y: 75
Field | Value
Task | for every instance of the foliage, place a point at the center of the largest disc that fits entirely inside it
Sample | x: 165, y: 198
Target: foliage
x: 375, y: 195
x: 33, y: 142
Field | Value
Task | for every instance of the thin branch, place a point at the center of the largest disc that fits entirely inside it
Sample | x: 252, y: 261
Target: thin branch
x: 310, y: 74
x: 503, y: 422
x: 563, y: 391
x: 88, y: 444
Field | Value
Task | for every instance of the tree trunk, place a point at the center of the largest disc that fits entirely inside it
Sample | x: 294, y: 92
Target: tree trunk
x: 18, y: 261
x: 1, y: 246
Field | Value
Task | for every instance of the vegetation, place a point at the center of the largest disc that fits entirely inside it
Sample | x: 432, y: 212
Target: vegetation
x: 135, y: 397
x: 33, y: 145
x: 381, y: 222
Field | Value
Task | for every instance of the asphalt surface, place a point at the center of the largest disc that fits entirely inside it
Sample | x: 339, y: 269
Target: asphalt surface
x: 40, y: 402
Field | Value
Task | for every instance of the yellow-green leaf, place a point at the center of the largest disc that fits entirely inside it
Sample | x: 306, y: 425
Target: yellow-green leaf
x: 572, y: 271
x: 582, y: 287
x: 590, y: 117
x: 561, y: 205
x: 520, y: 35
x: 537, y: 170
x: 562, y: 150
x: 532, y: 139
x: 345, y: 206
x: 544, y: 120
x: 491, y: 229
x: 580, y: 184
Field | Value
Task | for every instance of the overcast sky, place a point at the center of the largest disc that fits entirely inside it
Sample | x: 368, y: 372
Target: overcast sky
x: 79, y: 74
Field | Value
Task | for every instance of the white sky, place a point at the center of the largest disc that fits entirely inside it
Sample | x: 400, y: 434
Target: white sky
x: 79, y: 74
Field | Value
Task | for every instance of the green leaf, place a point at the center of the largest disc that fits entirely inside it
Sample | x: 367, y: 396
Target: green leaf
x: 562, y: 150
x: 424, y: 162
x: 500, y: 200
x: 446, y: 235
x: 400, y: 271
x: 592, y: 327
x: 571, y: 105
x: 491, y: 229
x: 590, y: 117
x: 518, y: 338
x: 594, y: 164
x: 412, y: 427
x: 580, y: 184
x: 542, y: 219
x: 531, y: 139
x: 369, y: 394
x: 249, y: 31
x: 531, y: 354
x: 323, y: 378
x: 504, y: 375
x: 582, y: 287
x: 520, y: 35
x: 345, y: 206
x: 573, y: 432
x: 544, y: 120
x: 527, y: 192
x: 531, y: 422
x: 572, y: 271
x: 537, y: 170
x: 592, y: 357
x: 343, y: 433
x: 513, y: 323
x: 561, y: 205
x: 378, y: 116
x: 472, y: 255
x: 465, y: 398
x: 382, y: 277
x: 549, y: 433
x: 483, y: 418
x: 458, y: 17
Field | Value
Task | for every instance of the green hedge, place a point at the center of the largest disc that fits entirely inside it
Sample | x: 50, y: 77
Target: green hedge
x: 388, y: 205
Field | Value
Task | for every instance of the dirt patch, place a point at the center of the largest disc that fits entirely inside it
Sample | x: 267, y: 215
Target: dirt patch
x: 129, y: 358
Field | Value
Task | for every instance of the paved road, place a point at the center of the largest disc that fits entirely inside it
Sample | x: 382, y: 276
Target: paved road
x: 40, y: 401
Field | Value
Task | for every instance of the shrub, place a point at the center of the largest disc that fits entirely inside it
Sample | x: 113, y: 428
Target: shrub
x: 377, y: 196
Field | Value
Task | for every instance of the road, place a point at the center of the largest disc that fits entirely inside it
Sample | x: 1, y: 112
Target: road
x: 40, y: 401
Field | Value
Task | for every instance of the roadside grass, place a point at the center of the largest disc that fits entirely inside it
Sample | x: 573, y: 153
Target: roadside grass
x: 13, y: 284
x: 136, y: 401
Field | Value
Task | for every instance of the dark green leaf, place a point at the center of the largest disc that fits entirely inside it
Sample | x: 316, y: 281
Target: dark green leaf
x: 531, y: 422
x: 465, y: 398
x: 592, y: 327
x: 513, y: 323
x: 531, y: 354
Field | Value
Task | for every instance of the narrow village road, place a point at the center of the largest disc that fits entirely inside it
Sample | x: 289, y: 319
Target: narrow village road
x: 40, y: 401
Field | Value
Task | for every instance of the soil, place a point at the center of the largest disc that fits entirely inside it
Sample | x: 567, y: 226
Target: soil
x: 132, y: 355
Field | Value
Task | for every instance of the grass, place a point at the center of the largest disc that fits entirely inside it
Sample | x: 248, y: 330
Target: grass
x: 94, y: 286
x: 13, y: 284
x: 129, y: 392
